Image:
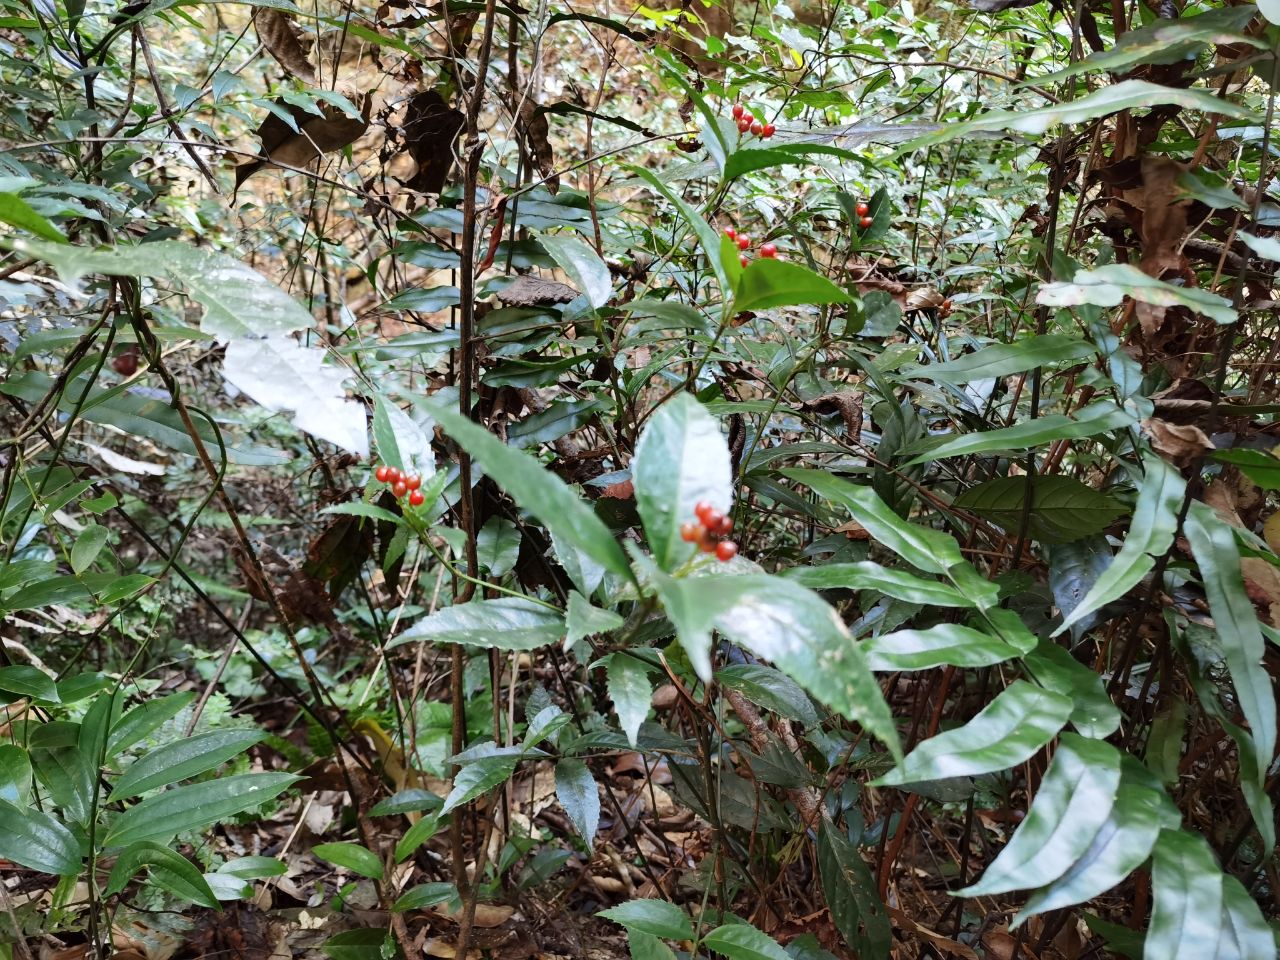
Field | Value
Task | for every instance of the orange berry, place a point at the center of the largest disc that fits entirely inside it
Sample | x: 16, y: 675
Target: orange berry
x: 726, y: 550
x: 691, y: 532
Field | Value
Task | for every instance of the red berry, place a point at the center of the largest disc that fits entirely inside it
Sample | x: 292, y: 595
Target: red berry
x: 712, y: 519
x: 126, y: 363
x: 744, y: 125
x: 866, y: 222
x: 757, y: 127
x: 862, y: 208
x: 768, y: 250
x: 382, y: 473
x: 768, y: 131
x: 746, y: 115
x: 731, y: 233
x: 726, y: 550
x: 701, y: 509
x: 413, y: 481
x: 724, y: 527
x: 416, y: 499
x: 707, y: 545
x: 743, y: 260
x: 393, y: 474
x: 399, y: 489
x: 744, y: 242
x: 738, y: 111
x: 691, y: 532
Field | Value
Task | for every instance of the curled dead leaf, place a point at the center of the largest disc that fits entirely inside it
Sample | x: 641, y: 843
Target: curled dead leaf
x: 315, y: 136
x: 430, y: 127
x: 1180, y: 443
x: 286, y: 42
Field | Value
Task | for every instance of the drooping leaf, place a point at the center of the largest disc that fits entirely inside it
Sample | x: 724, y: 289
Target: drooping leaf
x: 866, y: 575
x: 508, y: 623
x: 583, y: 620
x: 402, y: 443
x: 577, y: 792
x: 1053, y: 667
x: 35, y: 839
x: 1108, y: 285
x: 681, y: 459
x: 1012, y: 728
x: 767, y: 283
x: 771, y: 689
x: 169, y: 869
x: 852, y: 895
x: 708, y: 238
x: 1062, y: 509
x: 582, y: 264
x: 1097, y: 418
x: 498, y: 546
x: 1074, y: 568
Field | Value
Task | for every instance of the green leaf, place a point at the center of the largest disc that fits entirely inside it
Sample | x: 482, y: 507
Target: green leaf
x: 852, y: 895
x: 1010, y: 730
x: 866, y: 575
x: 740, y: 941
x: 371, y: 943
x: 1150, y: 534
x: 708, y: 238
x: 1062, y: 509
x: 352, y: 856
x: 645, y: 946
x: 658, y: 918
x: 1262, y: 468
x: 177, y: 875
x: 15, y: 774
x: 942, y: 645
x: 583, y: 620
x: 402, y: 443
x: 194, y: 806
x: 1003, y: 359
x: 35, y: 839
x: 1096, y: 418
x: 787, y: 624
x: 1108, y: 285
x: 572, y: 524
x: 582, y: 265
x: 182, y: 760
x: 254, y: 868
x: 630, y: 691
x: 561, y: 418
x: 412, y: 800
x: 498, y: 545
x: 28, y: 681
x: 143, y: 720
x: 1213, y: 544
x: 771, y: 689
x: 680, y: 460
x: 580, y: 797
x: 424, y: 299
x: 1071, y: 807
x: 1093, y: 713
x: 508, y: 623
x: 425, y: 895
x: 416, y: 836
x: 767, y: 283
x: 1186, y: 915
x: 749, y: 159
x: 1127, y: 95
x: 87, y: 547
x: 478, y: 778
x: 18, y: 213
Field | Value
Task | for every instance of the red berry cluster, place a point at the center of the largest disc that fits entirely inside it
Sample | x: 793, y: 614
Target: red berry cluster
x: 711, y: 525
x: 865, y: 220
x: 402, y: 484
x: 749, y: 124
x: 767, y: 250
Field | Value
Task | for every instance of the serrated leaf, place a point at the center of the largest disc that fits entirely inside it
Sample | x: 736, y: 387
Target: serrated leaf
x: 741, y: 941
x: 583, y: 620
x: 578, y: 795
x: 1062, y: 509
x: 681, y: 459
x: 1010, y: 730
x: 478, y: 778
x: 182, y: 760
x: 631, y: 692
x: 352, y: 856
x: 508, y: 623
x: 197, y: 805
x: 658, y: 918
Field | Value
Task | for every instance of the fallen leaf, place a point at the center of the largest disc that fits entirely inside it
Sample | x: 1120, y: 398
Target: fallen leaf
x: 1180, y: 443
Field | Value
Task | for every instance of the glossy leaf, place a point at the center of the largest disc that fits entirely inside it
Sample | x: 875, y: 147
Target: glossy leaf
x: 1109, y: 285
x: 478, y: 778
x: 1011, y: 729
x: 1097, y: 418
x: 866, y: 575
x: 582, y: 265
x: 1070, y: 808
x: 1186, y: 914
x: 412, y: 800
x: 769, y: 688
x: 852, y: 895
x: 658, y: 918
x: 425, y: 895
x: 1262, y: 468
x: 580, y: 797
x: 15, y: 774
x: 197, y: 805
x: 254, y: 868
x: 631, y: 692
x: 145, y: 719
x: 35, y: 839
x: 571, y: 522
x: 87, y: 547
x: 498, y: 545
x: 18, y: 213
x: 741, y: 941
x: 1150, y: 534
x: 182, y: 760
x: 768, y: 283
x: 1003, y: 359
x: 1213, y: 544
x: 508, y: 623
x: 582, y: 620
x: 1092, y: 714
x: 180, y: 875
x: 1062, y: 509
x: 28, y: 681
x: 352, y: 856
x: 708, y: 238
x: 945, y: 644
x: 681, y: 459
x: 402, y: 442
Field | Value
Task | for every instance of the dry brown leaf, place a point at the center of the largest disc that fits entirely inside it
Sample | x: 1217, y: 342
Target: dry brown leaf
x: 537, y: 136
x: 283, y: 39
x: 430, y: 127
x: 535, y: 292
x: 943, y: 944
x: 316, y: 135
x: 1180, y: 443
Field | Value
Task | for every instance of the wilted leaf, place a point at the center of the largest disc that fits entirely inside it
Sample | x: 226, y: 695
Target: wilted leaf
x: 286, y: 42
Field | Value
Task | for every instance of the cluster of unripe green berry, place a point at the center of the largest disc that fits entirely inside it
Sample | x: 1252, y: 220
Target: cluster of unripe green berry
x: 749, y: 124
x: 402, y: 484
x: 767, y: 250
x: 863, y: 210
x: 708, y: 530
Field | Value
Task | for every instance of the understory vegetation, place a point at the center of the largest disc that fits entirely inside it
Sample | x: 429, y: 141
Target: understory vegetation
x: 546, y: 480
